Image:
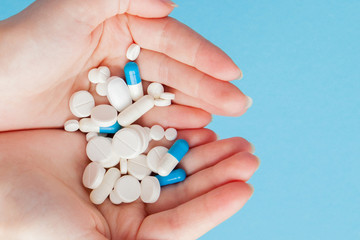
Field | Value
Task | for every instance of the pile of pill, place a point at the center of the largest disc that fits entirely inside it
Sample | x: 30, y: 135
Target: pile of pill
x: 114, y: 140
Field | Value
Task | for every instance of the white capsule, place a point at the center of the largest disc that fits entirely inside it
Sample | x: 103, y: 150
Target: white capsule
x: 123, y: 166
x: 167, y: 96
x: 127, y: 143
x: 133, y: 52
x: 81, y: 104
x: 150, y: 189
x: 138, y: 168
x: 154, y: 157
x: 114, y: 198
x: 71, y: 125
x: 93, y: 175
x: 99, y: 194
x: 171, y: 134
x: 136, y: 91
x: 104, y: 115
x: 118, y: 93
x: 162, y: 102
x: 155, y: 90
x: 157, y: 132
x: 135, y: 110
x: 128, y: 188
x: 99, y: 149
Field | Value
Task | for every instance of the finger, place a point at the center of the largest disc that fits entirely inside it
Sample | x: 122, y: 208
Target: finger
x: 239, y: 167
x: 178, y: 41
x: 194, y: 218
x: 222, y: 95
x: 212, y: 153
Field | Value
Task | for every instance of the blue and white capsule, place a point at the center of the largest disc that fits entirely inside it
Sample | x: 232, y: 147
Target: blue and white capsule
x: 173, y: 157
x: 133, y: 80
x: 87, y: 125
x: 178, y: 175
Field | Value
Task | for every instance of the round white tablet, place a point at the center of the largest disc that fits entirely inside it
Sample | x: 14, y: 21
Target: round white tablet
x: 81, y: 104
x: 156, y: 132
x: 118, y: 93
x: 105, y: 71
x: 99, y: 194
x: 167, y: 96
x: 171, y: 134
x: 128, y: 188
x: 144, y: 135
x: 93, y: 75
x: 150, y: 189
x: 93, y: 175
x: 162, y: 102
x: 99, y: 149
x: 114, y: 198
x: 155, y: 90
x: 154, y: 156
x: 104, y: 115
x: 71, y: 125
x: 123, y: 166
x: 133, y: 52
x: 138, y: 168
x: 101, y: 89
x: 111, y: 161
x: 127, y: 143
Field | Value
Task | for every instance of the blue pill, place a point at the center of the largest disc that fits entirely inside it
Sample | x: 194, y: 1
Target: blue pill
x: 132, y: 73
x: 177, y: 175
x: 179, y: 149
x: 112, y: 129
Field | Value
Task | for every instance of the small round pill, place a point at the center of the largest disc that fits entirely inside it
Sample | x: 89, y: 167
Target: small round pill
x: 167, y: 96
x: 128, y: 188
x: 101, y: 89
x: 156, y: 132
x: 71, y: 125
x: 155, y: 90
x: 104, y: 115
x: 133, y: 52
x: 162, y: 102
x: 81, y: 104
x: 127, y: 143
x: 99, y: 149
x: 154, y: 156
x: 171, y: 134
x: 150, y: 189
x: 93, y: 175
x: 93, y: 75
x: 114, y: 198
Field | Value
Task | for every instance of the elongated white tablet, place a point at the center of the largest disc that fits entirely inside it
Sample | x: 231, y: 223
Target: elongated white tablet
x: 81, y: 104
x: 104, y: 115
x: 133, y: 52
x: 162, y: 102
x: 93, y: 175
x: 118, y: 93
x: 171, y: 134
x: 128, y: 188
x: 138, y: 168
x: 71, y: 125
x: 157, y: 132
x: 123, y: 166
x: 99, y: 149
x: 167, y: 96
x: 150, y: 189
x: 155, y: 90
x: 114, y: 198
x: 154, y: 156
x: 99, y: 194
x: 127, y: 143
x: 135, y: 110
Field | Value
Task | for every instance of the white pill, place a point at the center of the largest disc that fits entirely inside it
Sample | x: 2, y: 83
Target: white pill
x: 111, y: 161
x: 91, y: 135
x: 133, y: 52
x: 150, y: 189
x: 154, y: 156
x: 155, y: 90
x: 71, y: 125
x: 167, y: 96
x: 162, y: 102
x: 81, y: 104
x: 148, y: 133
x: 118, y: 93
x: 99, y: 149
x: 93, y: 75
x: 156, y: 132
x: 101, y: 89
x: 93, y: 175
x: 171, y: 134
x: 88, y: 125
x: 128, y: 188
x: 114, y: 198
x: 104, y: 115
x: 104, y: 71
x: 123, y: 166
x: 138, y: 168
x: 99, y: 194
x: 144, y: 135
x: 135, y: 110
x: 127, y: 143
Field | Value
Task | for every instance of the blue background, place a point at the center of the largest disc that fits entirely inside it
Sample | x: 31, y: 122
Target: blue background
x: 301, y: 62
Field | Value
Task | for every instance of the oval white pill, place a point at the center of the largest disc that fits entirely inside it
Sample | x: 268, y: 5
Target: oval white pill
x: 155, y: 90
x: 154, y: 156
x: 99, y: 194
x: 99, y: 149
x: 118, y: 93
x: 104, y: 115
x: 133, y: 52
x: 101, y: 89
x: 71, y: 125
x: 167, y: 96
x: 93, y: 175
x: 128, y: 188
x: 81, y: 104
x: 123, y: 166
x: 127, y: 143
x: 171, y: 134
x: 114, y: 198
x: 138, y: 168
x: 156, y: 132
x: 150, y: 189
x: 162, y: 102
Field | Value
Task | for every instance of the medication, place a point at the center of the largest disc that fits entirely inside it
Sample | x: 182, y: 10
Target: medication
x: 93, y: 175
x: 101, y: 89
x: 88, y: 125
x: 128, y: 188
x: 99, y: 149
x: 154, y: 156
x: 167, y: 96
x: 123, y: 166
x: 135, y: 110
x: 104, y: 115
x: 81, y: 104
x: 133, y: 52
x: 155, y: 90
x: 178, y: 175
x: 157, y: 132
x: 111, y: 161
x: 71, y: 125
x: 144, y: 135
x: 137, y: 167
x: 118, y: 93
x: 171, y: 134
x: 127, y: 143
x: 99, y: 194
x: 133, y: 80
x: 99, y: 75
x: 150, y: 189
x: 91, y: 135
x: 162, y: 102
x: 114, y: 198
x: 173, y: 157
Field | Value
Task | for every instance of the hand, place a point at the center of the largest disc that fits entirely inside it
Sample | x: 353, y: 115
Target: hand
x: 48, y: 49
x: 42, y: 196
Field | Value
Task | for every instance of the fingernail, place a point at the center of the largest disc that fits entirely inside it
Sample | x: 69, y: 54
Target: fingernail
x: 241, y: 75
x: 259, y: 163
x: 251, y: 187
x: 170, y: 3
x: 217, y: 137
x: 252, y: 148
x: 249, y: 102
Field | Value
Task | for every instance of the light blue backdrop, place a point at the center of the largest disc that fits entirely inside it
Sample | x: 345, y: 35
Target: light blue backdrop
x: 301, y: 61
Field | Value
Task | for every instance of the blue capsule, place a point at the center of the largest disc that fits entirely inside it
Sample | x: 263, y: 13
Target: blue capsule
x: 179, y: 149
x: 132, y: 73
x: 178, y: 175
x: 112, y: 129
